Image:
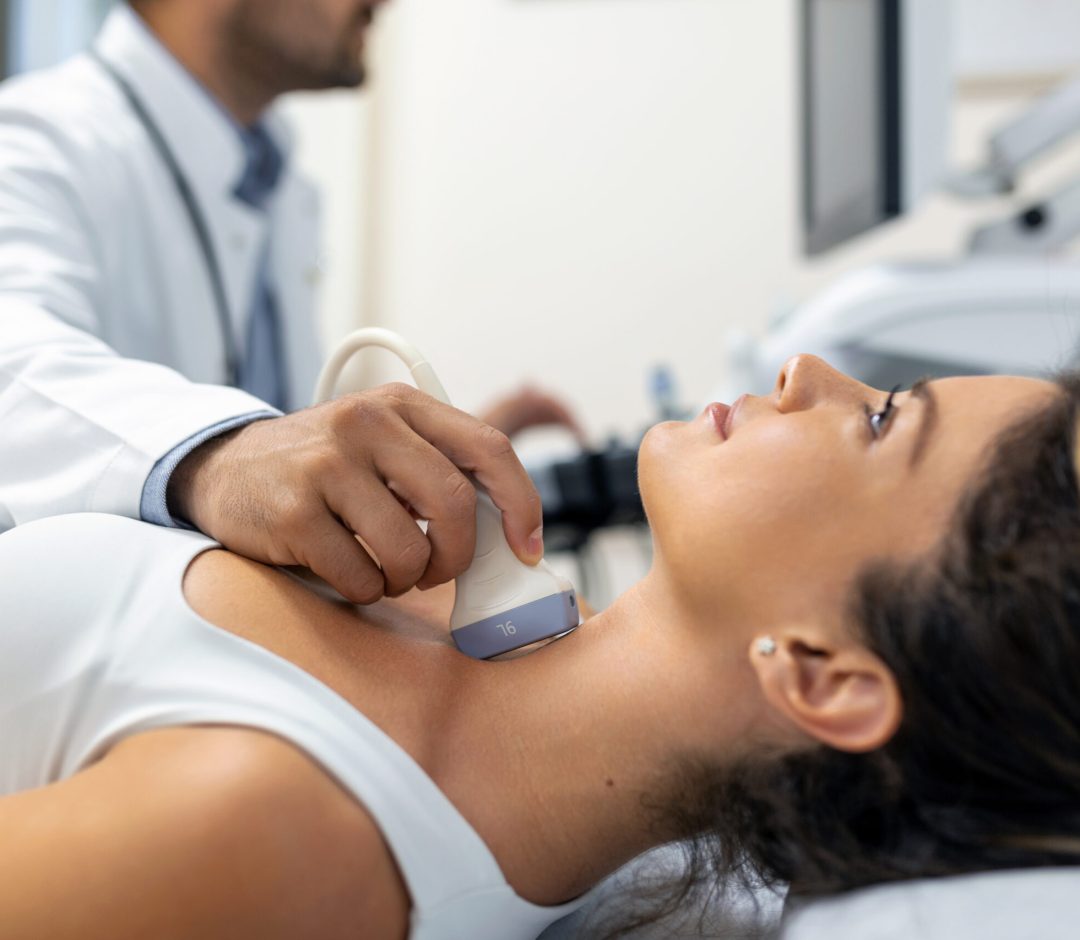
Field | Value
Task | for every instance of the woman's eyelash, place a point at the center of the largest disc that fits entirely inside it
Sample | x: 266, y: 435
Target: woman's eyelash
x: 879, y: 420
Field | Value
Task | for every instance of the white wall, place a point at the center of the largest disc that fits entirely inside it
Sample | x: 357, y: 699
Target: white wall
x: 334, y: 140
x: 574, y: 190
x: 579, y: 189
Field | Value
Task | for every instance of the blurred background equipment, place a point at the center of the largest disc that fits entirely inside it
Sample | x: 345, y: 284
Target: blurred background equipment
x: 878, y: 80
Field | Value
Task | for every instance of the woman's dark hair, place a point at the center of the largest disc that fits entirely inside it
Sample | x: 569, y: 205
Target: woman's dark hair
x: 984, y: 641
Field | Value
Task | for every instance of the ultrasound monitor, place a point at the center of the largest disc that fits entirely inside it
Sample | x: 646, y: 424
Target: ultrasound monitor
x: 876, y: 94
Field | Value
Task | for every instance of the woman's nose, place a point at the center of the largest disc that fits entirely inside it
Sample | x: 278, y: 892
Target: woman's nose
x: 807, y: 380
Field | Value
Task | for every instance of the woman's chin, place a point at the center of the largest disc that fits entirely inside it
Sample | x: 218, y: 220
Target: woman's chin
x: 661, y: 452
x: 660, y: 441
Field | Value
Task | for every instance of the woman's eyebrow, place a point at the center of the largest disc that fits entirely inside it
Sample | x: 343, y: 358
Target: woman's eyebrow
x: 922, y: 391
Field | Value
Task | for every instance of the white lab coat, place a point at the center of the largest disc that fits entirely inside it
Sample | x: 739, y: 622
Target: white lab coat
x: 111, y: 350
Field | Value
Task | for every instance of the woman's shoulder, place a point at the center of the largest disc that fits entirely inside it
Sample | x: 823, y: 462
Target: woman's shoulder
x: 237, y: 833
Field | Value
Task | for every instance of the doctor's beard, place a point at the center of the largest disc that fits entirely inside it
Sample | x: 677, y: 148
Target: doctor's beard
x: 301, y: 45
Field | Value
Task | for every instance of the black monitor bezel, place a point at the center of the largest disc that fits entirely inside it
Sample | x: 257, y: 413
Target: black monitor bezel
x: 821, y: 235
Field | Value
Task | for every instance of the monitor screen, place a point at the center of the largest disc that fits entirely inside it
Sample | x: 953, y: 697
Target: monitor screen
x: 851, y: 79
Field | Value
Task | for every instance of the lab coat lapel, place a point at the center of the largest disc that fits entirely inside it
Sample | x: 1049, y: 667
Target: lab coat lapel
x: 184, y: 112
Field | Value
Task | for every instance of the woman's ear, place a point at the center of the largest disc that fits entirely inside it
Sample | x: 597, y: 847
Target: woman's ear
x: 841, y: 695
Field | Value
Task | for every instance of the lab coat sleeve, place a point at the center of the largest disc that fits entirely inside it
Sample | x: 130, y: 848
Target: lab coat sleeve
x: 154, y: 506
x: 80, y: 427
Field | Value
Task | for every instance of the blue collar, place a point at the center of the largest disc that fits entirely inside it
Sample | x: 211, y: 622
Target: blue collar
x: 262, y: 169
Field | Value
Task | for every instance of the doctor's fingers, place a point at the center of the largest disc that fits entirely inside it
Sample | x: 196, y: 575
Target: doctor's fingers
x: 440, y: 493
x: 489, y: 456
x: 329, y: 549
x: 370, y: 509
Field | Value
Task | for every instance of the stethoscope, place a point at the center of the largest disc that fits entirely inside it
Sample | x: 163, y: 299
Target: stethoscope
x: 194, y: 212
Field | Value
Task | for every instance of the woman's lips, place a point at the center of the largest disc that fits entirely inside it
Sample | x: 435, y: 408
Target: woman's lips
x: 719, y: 414
x: 723, y: 416
x: 733, y: 411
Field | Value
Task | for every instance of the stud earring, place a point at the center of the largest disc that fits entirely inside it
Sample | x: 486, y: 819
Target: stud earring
x: 766, y: 646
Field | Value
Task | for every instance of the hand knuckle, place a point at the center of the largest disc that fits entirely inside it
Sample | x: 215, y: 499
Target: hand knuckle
x: 412, y: 556
x: 357, y: 413
x: 400, y: 392
x: 324, y: 463
x: 367, y: 588
x: 461, y: 495
x: 495, y: 442
x: 296, y: 514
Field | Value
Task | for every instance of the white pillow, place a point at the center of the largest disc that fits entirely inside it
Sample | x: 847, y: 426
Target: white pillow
x: 1041, y: 903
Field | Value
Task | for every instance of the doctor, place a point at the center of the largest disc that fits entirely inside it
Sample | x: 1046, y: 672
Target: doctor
x: 158, y: 260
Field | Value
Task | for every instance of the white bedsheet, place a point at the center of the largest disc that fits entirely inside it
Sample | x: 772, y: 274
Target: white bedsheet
x: 1012, y: 905
x: 1040, y: 904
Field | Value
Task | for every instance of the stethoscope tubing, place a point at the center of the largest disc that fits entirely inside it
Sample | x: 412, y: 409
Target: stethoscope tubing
x: 199, y: 226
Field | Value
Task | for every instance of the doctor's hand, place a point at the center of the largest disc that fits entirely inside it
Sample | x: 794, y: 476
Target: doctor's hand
x: 298, y: 489
x: 531, y: 407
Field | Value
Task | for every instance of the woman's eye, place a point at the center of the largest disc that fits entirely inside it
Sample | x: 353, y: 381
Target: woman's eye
x: 879, y: 420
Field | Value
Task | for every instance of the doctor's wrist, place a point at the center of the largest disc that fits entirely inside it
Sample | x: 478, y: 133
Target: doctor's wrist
x: 192, y: 482
x: 154, y: 503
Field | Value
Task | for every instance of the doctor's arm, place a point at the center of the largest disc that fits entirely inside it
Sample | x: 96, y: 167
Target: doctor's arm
x: 84, y: 428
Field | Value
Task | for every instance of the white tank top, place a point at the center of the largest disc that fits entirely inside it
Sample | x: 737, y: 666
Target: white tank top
x: 97, y: 643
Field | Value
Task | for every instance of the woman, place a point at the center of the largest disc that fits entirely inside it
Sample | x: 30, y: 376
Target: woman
x: 823, y: 555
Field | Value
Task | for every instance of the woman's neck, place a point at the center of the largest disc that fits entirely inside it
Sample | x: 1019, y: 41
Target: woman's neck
x: 552, y: 757
x: 560, y: 755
